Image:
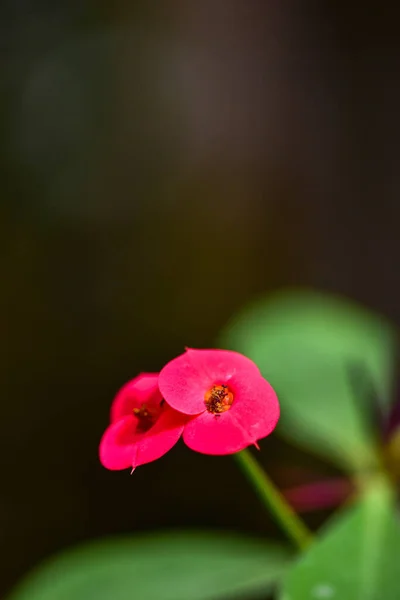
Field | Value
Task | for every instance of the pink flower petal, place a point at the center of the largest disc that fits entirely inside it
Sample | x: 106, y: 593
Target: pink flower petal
x: 255, y: 405
x: 184, y: 381
x: 160, y: 438
x: 143, y: 389
x: 117, y: 446
x: 252, y: 416
x: 210, y: 434
x: 123, y: 445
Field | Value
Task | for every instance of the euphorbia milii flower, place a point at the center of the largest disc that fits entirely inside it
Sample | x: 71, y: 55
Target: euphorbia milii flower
x: 232, y: 404
x: 143, y: 427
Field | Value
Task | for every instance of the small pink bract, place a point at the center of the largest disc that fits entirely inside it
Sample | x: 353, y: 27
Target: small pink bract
x: 143, y: 427
x: 231, y: 404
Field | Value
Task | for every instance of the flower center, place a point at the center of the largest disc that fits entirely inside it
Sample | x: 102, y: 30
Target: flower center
x: 146, y: 418
x: 218, y: 399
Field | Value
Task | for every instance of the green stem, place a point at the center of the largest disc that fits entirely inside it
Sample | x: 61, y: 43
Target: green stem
x: 274, y: 501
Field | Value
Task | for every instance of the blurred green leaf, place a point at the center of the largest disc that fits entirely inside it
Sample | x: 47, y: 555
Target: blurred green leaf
x: 305, y: 344
x: 168, y: 566
x: 356, y: 558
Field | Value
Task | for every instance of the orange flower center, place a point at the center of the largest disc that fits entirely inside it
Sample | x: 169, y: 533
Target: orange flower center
x: 218, y: 399
x: 146, y: 418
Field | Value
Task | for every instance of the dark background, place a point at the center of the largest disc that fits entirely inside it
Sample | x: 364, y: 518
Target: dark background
x: 160, y: 165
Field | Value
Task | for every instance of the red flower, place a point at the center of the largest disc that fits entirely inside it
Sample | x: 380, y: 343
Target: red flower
x: 234, y: 405
x: 143, y: 427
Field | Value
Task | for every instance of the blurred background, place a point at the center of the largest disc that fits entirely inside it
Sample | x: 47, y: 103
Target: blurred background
x: 161, y: 166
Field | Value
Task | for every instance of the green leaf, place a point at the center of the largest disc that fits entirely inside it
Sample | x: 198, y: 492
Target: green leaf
x: 306, y: 344
x: 168, y: 566
x: 357, y: 558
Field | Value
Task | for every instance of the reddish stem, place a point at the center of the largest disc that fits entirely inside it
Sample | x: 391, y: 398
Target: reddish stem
x: 318, y: 495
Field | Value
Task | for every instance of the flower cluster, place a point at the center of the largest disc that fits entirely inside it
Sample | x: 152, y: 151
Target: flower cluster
x: 216, y: 399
